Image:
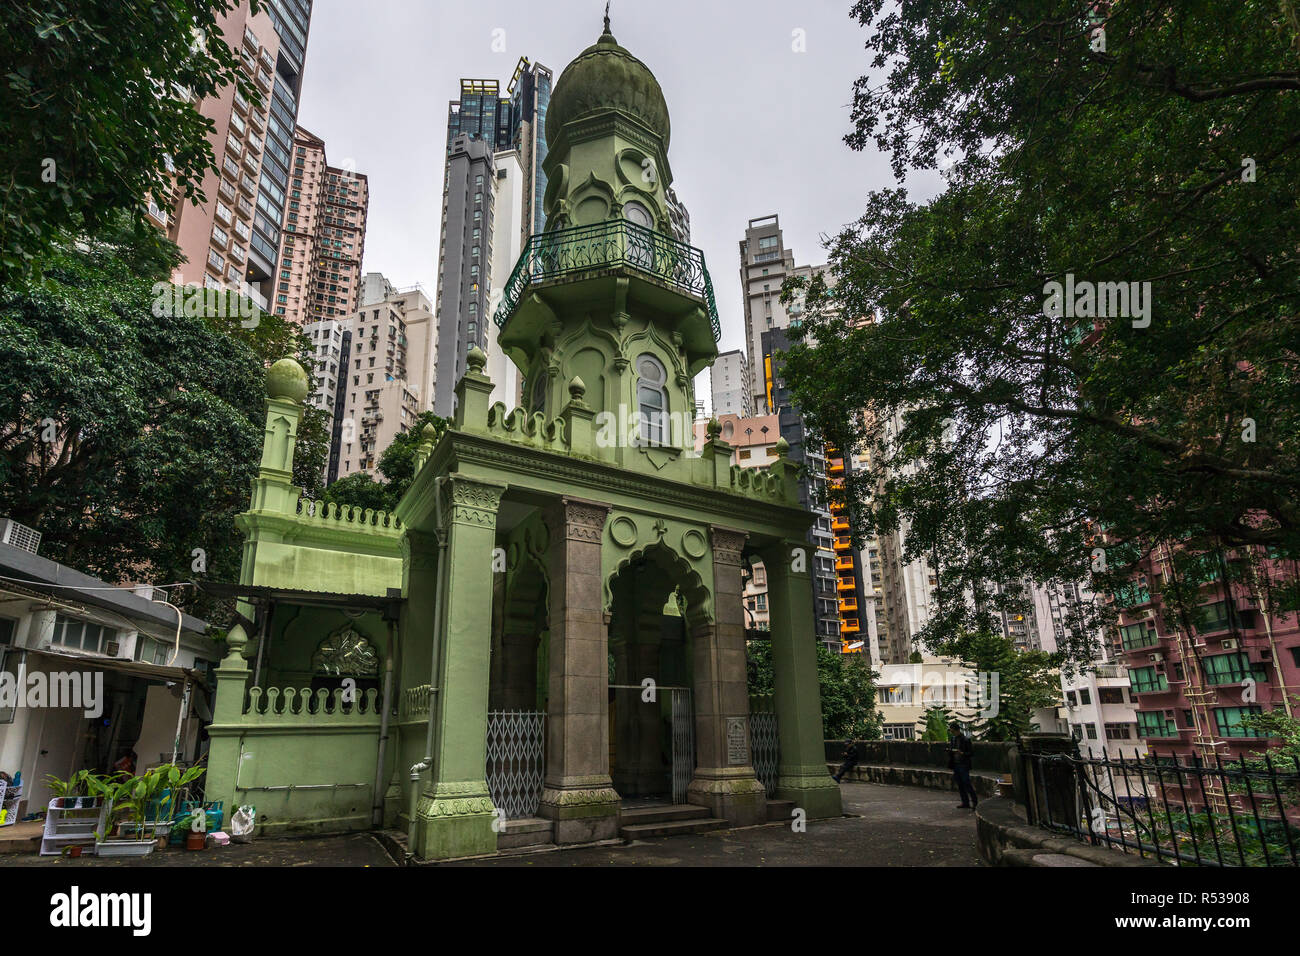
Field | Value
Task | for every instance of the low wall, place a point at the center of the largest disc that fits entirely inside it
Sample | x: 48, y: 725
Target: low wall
x: 993, y: 758
x: 305, y: 766
x: 932, y: 778
x: 1007, y: 839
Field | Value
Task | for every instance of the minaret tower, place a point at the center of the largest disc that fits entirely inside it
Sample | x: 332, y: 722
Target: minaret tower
x: 606, y: 294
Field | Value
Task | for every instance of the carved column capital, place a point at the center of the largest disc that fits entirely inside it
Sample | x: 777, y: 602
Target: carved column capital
x: 728, y: 545
x: 471, y: 502
x: 576, y: 519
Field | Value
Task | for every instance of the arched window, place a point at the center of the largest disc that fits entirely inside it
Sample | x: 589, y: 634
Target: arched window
x: 640, y: 245
x: 652, y: 399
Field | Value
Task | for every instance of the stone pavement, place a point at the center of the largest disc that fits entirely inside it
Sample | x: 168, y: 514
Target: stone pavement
x: 895, y: 826
x: 353, y: 849
x: 890, y: 826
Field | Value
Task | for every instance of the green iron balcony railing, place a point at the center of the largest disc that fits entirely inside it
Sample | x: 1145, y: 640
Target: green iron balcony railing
x: 616, y: 242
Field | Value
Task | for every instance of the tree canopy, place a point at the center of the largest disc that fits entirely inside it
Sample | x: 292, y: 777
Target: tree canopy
x: 1013, y: 422
x: 130, y: 432
x: 98, y: 114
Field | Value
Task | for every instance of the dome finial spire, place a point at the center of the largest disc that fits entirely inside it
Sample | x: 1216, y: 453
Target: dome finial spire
x: 607, y: 17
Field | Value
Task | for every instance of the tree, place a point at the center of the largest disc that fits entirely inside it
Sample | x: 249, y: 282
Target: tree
x: 129, y: 430
x: 1014, y: 683
x: 1007, y: 426
x: 97, y: 114
x: 396, y: 464
x: 935, y: 723
x: 848, y: 689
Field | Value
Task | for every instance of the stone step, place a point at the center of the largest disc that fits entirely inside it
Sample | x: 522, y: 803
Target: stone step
x: 662, y: 813
x: 780, y: 810
x: 525, y: 832
x: 641, y: 831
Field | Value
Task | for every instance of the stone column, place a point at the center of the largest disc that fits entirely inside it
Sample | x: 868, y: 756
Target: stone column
x: 724, y: 774
x: 801, y: 774
x: 455, y: 812
x: 578, y: 794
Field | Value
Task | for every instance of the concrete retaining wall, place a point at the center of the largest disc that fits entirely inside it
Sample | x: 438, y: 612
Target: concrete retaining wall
x: 1006, y: 839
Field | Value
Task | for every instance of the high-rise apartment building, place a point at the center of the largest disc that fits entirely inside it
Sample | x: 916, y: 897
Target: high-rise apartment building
x: 233, y: 239
x: 464, y: 264
x: 495, y: 147
x: 765, y: 264
x: 814, y: 494
x: 1194, y: 678
x: 324, y: 236
x: 390, y: 353
x: 729, y: 385
x: 511, y: 190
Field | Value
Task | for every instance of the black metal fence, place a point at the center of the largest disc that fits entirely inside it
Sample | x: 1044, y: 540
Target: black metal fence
x: 1190, y: 813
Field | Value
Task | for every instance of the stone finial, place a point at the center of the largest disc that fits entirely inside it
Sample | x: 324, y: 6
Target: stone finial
x: 782, y: 447
x: 236, y: 640
x: 287, y: 381
x: 428, y: 433
x: 577, y: 388
x: 476, y: 358
x: 714, y: 429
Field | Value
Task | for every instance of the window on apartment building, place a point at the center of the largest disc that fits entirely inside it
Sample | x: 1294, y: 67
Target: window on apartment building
x: 1189, y: 721
x: 82, y: 635
x: 1085, y: 696
x: 1227, y: 721
x: 762, y: 602
x: 1091, y: 731
x: 1110, y: 695
x: 1070, y: 698
x: 1119, y: 731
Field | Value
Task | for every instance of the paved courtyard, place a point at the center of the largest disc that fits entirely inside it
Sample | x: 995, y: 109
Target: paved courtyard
x: 894, y: 826
x: 890, y: 826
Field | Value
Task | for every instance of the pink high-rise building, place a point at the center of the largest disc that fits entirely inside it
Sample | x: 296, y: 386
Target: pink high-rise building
x: 319, y: 273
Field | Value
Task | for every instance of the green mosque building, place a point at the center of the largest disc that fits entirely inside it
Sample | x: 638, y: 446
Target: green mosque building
x: 545, y: 642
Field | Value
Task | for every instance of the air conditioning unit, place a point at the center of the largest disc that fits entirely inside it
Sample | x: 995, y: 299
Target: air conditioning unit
x: 111, y: 648
x: 1157, y: 656
x: 1229, y: 644
x: 1265, y: 654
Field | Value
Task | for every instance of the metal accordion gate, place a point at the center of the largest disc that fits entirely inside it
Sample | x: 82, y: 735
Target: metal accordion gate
x: 765, y: 746
x: 516, y: 760
x: 683, y: 723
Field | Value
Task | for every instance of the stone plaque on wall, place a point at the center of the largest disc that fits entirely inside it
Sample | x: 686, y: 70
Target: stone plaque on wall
x: 737, y: 741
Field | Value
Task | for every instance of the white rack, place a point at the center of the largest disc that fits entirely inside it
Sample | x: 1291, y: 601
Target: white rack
x: 66, y: 826
x: 10, y: 797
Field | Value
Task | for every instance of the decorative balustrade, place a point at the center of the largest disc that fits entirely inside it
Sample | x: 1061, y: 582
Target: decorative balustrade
x: 333, y: 515
x: 535, y: 429
x: 415, y: 701
x: 565, y: 252
x: 277, y: 704
x: 753, y: 482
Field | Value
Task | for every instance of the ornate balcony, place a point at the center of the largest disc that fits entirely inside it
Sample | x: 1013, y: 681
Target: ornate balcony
x: 614, y: 244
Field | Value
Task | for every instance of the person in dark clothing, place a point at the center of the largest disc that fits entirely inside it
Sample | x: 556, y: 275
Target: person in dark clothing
x: 850, y: 760
x: 960, y: 749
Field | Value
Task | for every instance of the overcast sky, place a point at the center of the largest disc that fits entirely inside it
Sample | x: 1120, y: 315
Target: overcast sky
x: 757, y: 128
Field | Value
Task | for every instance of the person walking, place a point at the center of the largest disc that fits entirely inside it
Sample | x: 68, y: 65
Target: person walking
x: 850, y: 760
x: 960, y: 749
